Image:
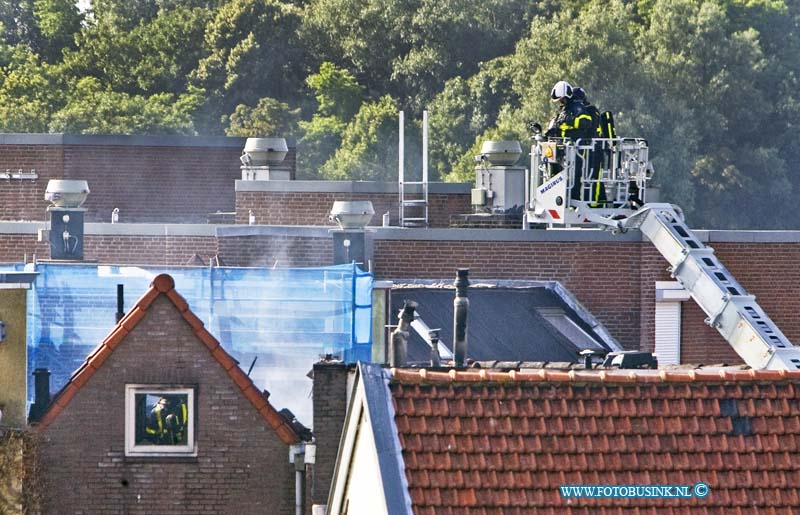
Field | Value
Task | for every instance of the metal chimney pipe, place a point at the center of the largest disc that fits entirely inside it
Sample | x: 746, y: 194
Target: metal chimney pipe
x: 398, y: 345
x: 41, y: 386
x: 460, y: 308
x: 436, y: 360
x: 120, y: 302
x: 41, y: 400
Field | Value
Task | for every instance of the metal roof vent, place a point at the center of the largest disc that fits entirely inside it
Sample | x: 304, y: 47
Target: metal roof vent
x: 66, y: 193
x: 501, y: 153
x: 351, y: 214
x: 630, y: 359
x: 264, y: 151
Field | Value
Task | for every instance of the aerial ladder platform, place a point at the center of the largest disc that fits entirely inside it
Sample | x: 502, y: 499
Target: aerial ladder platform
x: 611, y: 176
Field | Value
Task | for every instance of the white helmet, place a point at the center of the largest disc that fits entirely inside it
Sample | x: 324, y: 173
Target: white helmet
x: 560, y: 90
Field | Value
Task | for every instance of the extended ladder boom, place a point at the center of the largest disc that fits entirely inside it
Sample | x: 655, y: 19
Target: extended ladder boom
x: 734, y: 313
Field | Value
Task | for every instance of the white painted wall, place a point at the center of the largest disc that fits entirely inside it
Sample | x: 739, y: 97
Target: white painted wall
x: 364, y: 491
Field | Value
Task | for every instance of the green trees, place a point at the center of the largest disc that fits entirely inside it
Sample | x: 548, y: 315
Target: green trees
x: 712, y: 84
x: 268, y: 118
x: 251, y: 51
x: 707, y: 83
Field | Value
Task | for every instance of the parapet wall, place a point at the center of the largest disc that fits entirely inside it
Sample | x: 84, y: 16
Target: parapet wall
x: 161, y: 179
x: 309, y: 202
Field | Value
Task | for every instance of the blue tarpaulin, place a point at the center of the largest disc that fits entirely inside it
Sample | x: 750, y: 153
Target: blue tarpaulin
x: 284, y: 319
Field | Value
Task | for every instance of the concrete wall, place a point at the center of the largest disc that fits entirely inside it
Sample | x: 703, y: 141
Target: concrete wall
x: 13, y: 358
x: 241, y: 466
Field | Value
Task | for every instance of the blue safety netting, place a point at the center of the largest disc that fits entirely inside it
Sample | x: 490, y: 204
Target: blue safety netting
x: 283, y: 319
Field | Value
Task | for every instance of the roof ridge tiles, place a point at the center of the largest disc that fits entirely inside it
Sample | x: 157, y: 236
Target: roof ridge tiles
x: 480, y: 375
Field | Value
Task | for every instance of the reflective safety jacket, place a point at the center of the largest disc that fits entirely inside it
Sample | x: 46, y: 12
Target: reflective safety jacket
x: 594, y: 113
x: 572, y: 121
x: 158, y: 428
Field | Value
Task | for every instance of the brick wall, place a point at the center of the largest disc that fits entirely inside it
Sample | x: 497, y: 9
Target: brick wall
x: 15, y: 247
x: 154, y: 184
x: 150, y: 179
x: 150, y: 250
x: 24, y: 199
x: 767, y: 270
x: 330, y: 408
x: 614, y: 280
x: 604, y: 276
x: 280, y: 251
x: 313, y: 208
x: 241, y: 467
x: 118, y: 249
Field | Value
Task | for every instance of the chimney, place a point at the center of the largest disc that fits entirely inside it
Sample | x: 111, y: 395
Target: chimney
x: 120, y: 301
x: 329, y: 396
x: 398, y: 345
x: 66, y: 216
x: 460, y: 307
x: 42, y: 394
x: 436, y: 360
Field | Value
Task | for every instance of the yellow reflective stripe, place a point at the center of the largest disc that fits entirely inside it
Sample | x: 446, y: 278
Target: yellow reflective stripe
x: 597, y: 187
x: 579, y: 118
x: 160, y: 423
x: 183, y: 409
x: 151, y: 431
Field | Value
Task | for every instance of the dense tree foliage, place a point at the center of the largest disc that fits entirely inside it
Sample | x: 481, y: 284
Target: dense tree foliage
x: 712, y: 84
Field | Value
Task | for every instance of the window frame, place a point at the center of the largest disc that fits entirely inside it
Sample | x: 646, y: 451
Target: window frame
x: 558, y: 318
x: 132, y: 449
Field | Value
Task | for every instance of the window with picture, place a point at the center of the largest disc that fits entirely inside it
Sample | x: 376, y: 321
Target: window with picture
x: 159, y: 421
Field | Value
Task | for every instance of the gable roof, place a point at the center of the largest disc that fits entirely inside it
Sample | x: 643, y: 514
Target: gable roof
x: 164, y: 285
x: 479, y: 441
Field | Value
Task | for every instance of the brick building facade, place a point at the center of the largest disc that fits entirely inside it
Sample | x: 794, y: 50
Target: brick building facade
x: 180, y: 179
x: 612, y: 276
x: 149, y: 178
x: 241, y: 446
x: 309, y: 202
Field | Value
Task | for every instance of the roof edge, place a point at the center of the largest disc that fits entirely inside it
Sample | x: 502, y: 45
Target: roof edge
x: 380, y: 409
x: 709, y: 375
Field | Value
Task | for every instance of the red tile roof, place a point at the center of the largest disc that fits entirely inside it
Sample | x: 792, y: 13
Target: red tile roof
x: 503, y: 442
x: 165, y: 285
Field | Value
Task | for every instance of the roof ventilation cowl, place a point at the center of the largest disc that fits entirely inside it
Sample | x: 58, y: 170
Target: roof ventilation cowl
x: 66, y: 193
x: 501, y: 153
x: 265, y: 151
x: 352, y: 214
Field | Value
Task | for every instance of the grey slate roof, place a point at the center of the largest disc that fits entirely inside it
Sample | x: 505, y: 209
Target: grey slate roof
x: 503, y: 323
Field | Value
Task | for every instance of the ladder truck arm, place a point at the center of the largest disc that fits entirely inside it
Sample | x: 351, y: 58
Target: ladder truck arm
x: 730, y: 310
x: 621, y: 168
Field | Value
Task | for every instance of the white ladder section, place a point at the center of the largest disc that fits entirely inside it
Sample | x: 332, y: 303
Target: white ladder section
x: 416, y: 200
x: 735, y: 314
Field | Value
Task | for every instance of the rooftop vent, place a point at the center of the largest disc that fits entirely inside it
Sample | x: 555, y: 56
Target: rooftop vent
x: 67, y: 194
x: 351, y: 214
x: 264, y: 151
x: 501, y: 153
x: 630, y: 359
